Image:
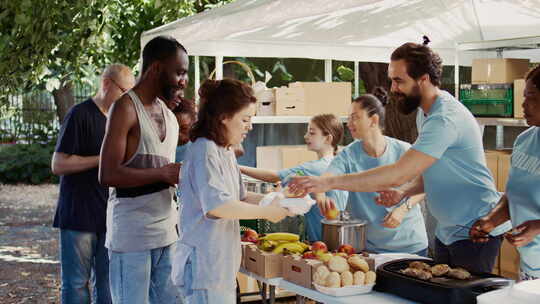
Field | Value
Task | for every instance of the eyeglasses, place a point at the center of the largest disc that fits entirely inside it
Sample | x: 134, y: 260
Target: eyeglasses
x: 118, y: 86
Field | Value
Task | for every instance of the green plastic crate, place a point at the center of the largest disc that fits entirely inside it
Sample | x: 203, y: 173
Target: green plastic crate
x: 492, y: 100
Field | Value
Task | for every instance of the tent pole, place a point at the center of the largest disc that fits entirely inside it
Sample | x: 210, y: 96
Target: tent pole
x: 219, y: 67
x: 197, y: 78
x: 328, y: 70
x: 356, y: 79
x: 456, y: 74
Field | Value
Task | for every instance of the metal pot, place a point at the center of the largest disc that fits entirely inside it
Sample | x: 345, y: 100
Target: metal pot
x: 344, y: 231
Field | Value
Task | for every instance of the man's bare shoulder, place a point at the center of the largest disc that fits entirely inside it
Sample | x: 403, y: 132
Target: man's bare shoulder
x: 123, y: 109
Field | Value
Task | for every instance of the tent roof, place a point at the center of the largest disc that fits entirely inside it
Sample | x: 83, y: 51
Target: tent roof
x: 355, y: 30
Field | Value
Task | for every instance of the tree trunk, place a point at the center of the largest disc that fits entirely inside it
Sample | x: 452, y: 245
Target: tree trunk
x: 64, y: 99
x: 397, y: 125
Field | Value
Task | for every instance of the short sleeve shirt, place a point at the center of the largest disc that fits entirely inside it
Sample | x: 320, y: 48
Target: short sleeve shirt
x: 82, y: 203
x: 459, y: 187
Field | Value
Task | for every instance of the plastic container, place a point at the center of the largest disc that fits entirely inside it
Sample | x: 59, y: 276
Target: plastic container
x: 488, y: 100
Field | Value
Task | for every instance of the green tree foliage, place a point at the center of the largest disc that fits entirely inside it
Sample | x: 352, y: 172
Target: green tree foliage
x: 51, y: 43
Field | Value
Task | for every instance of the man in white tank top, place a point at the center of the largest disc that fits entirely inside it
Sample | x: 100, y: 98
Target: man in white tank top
x: 137, y: 162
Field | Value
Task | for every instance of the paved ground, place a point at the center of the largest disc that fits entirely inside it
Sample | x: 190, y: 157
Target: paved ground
x: 29, y: 269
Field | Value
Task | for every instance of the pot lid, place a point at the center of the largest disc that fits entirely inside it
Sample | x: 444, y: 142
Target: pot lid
x: 344, y: 222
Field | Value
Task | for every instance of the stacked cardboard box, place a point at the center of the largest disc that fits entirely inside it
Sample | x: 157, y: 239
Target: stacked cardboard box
x: 305, y: 99
x: 507, y: 263
x: 498, y: 70
x: 279, y: 157
x: 519, y: 87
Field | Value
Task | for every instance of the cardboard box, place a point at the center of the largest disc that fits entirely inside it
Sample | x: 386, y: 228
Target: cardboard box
x: 492, y: 161
x: 326, y: 97
x: 299, y: 271
x: 503, y: 168
x: 498, y: 162
x: 266, y: 102
x: 280, y: 157
x: 243, y: 246
x: 264, y: 264
x: 498, y: 70
x: 246, y: 284
x: 508, y: 261
x: 519, y: 87
x: 290, y: 101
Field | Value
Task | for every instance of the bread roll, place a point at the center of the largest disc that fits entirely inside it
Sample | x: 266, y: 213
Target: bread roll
x: 359, y: 278
x: 370, y: 277
x: 320, y: 275
x: 459, y: 273
x: 346, y: 279
x: 333, y: 280
x: 358, y: 263
x: 440, y: 270
x: 338, y: 264
x: 420, y: 265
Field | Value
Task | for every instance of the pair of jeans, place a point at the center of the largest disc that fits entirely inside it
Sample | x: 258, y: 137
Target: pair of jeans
x: 474, y: 257
x: 142, y: 277
x: 204, y: 296
x: 84, y: 262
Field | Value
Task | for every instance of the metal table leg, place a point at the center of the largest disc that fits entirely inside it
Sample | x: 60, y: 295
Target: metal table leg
x: 263, y: 294
x: 272, y: 294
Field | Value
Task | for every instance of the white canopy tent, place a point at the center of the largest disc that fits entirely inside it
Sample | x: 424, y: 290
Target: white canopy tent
x: 358, y: 30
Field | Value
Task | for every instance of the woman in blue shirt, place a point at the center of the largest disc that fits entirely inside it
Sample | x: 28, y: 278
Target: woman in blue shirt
x: 521, y: 202
x: 372, y: 149
x: 323, y: 135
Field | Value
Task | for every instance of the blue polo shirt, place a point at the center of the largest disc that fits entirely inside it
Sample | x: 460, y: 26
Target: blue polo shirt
x: 523, y: 191
x: 411, y: 235
x: 458, y: 186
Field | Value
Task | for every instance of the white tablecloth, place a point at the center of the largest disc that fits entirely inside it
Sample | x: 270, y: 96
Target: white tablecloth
x: 373, y: 297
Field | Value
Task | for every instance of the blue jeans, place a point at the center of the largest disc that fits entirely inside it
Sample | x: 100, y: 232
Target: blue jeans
x: 475, y: 257
x: 142, y: 277
x: 204, y: 296
x: 84, y: 262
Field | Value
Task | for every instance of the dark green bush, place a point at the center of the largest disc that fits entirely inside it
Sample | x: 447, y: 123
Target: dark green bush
x: 27, y: 163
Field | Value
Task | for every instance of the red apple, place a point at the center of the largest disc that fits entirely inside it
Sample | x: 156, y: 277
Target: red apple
x: 250, y: 235
x: 309, y: 255
x: 346, y: 248
x: 319, y: 247
x: 332, y: 214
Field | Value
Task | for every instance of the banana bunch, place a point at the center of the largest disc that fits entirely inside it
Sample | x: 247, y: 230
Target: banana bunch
x: 291, y: 247
x: 281, y: 236
x: 282, y: 242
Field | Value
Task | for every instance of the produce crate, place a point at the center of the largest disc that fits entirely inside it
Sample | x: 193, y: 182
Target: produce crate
x: 492, y: 100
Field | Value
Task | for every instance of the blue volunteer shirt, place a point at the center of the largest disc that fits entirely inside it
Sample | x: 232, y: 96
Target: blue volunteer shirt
x: 458, y: 186
x: 410, y: 236
x: 523, y: 191
x: 314, y: 216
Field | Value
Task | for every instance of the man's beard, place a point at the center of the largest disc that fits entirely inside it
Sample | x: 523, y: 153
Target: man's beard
x: 407, y: 104
x: 168, y: 92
